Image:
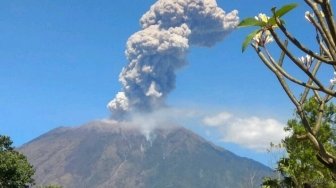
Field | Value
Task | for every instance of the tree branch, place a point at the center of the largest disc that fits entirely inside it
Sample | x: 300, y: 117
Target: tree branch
x: 300, y: 65
x: 300, y: 46
x: 320, y: 18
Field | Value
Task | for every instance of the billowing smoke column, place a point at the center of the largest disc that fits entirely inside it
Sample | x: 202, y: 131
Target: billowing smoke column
x: 169, y: 28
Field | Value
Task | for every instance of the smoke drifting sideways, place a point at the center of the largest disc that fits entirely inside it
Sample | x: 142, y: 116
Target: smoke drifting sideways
x: 157, y: 51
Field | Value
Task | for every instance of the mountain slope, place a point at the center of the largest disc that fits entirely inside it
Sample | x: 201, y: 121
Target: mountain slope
x: 103, y: 155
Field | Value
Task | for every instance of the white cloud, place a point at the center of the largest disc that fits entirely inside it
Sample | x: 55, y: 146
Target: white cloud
x: 252, y: 132
x: 217, y: 120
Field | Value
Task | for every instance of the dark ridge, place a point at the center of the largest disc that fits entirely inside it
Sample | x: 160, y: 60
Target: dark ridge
x: 103, y: 154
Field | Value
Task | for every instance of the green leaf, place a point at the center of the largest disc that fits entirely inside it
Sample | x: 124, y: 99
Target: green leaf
x: 249, y: 38
x: 285, y: 9
x: 279, y: 13
x: 272, y: 21
x: 251, y: 22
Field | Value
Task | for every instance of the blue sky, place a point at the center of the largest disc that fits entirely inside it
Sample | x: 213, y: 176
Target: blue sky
x: 60, y: 61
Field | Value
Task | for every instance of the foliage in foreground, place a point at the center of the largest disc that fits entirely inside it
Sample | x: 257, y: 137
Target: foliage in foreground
x: 15, y: 170
x: 300, y: 167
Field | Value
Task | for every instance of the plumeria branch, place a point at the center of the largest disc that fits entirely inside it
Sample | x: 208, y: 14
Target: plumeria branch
x: 320, y: 18
x: 310, y: 64
x: 328, y: 14
x: 283, y: 72
x: 331, y: 50
x: 300, y: 65
x: 300, y: 46
x: 310, y: 81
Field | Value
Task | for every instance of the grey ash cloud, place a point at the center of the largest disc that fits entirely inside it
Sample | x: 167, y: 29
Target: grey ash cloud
x: 159, y: 49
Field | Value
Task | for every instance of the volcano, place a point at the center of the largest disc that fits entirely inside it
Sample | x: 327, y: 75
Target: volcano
x: 104, y: 155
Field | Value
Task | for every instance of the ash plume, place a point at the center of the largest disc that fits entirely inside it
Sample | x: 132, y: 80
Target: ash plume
x: 157, y: 51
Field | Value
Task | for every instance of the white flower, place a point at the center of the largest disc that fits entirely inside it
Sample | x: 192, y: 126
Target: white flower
x: 263, y: 37
x: 307, y: 60
x: 307, y: 15
x: 333, y: 80
x: 262, y: 17
x: 268, y: 37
